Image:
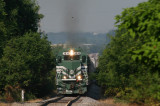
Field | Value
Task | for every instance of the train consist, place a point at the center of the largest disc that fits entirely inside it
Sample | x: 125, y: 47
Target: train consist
x: 72, y: 71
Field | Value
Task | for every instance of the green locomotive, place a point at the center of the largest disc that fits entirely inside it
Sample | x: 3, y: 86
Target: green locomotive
x: 72, y: 71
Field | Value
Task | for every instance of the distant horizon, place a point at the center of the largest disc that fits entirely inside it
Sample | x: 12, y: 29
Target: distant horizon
x: 98, y: 40
x: 82, y: 32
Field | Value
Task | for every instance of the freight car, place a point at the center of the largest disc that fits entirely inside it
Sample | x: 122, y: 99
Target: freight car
x: 72, y: 71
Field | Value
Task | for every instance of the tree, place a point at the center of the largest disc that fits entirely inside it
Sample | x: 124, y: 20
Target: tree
x: 18, y: 17
x: 116, y: 64
x: 27, y: 63
x: 26, y: 58
x: 22, y: 16
x: 129, y: 66
x: 2, y: 26
x: 142, y: 23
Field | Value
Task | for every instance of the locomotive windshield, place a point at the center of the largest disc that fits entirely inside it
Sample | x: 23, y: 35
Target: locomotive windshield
x: 71, y: 55
x: 75, y: 57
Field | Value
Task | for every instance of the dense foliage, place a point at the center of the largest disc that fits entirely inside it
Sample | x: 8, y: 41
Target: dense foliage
x: 21, y: 16
x: 17, y: 18
x: 26, y: 63
x: 129, y: 66
x: 26, y: 58
x: 2, y: 26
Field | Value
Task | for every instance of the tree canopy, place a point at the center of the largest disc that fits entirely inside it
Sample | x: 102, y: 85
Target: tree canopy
x: 21, y: 16
x: 26, y: 58
x: 17, y: 18
x: 27, y: 62
x: 129, y: 66
x: 2, y: 26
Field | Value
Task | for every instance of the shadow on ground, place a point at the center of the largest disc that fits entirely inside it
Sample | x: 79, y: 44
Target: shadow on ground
x: 94, y: 91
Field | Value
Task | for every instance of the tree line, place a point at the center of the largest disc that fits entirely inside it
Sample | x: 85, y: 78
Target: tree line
x: 26, y: 58
x: 129, y: 67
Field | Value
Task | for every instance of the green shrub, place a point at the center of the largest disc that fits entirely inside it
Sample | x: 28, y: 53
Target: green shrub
x: 28, y: 62
x: 129, y: 66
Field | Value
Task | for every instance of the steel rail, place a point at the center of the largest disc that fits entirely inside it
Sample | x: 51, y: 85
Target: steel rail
x: 52, y: 100
x: 72, y: 101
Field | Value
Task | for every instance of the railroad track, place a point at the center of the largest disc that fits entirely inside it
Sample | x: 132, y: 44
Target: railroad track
x: 61, y: 101
x: 72, y: 101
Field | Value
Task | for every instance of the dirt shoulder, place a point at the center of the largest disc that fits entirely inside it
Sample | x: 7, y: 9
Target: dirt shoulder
x: 111, y: 101
x: 3, y: 104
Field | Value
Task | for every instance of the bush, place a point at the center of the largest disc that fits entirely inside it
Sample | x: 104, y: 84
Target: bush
x: 27, y: 62
x: 129, y: 66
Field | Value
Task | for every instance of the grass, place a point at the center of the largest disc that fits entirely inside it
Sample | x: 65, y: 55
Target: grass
x: 116, y: 102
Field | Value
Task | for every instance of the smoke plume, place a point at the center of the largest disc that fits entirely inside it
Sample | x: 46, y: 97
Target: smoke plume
x: 72, y: 21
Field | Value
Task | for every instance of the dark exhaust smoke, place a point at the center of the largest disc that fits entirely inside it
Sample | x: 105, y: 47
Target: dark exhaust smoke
x: 72, y: 21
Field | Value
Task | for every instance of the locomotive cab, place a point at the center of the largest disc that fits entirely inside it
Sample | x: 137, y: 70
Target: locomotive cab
x: 72, y: 72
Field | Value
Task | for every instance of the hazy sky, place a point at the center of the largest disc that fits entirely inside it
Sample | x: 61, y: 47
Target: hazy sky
x: 82, y: 15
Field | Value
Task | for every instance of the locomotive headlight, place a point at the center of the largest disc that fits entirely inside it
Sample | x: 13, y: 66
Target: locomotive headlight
x: 71, y: 52
x: 64, y: 77
x: 79, y: 77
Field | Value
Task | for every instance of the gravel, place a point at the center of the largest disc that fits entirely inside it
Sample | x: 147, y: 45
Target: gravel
x: 85, y: 101
x: 23, y: 104
x: 91, y: 100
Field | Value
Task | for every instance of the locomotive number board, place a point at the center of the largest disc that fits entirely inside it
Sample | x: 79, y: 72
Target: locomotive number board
x: 74, y: 53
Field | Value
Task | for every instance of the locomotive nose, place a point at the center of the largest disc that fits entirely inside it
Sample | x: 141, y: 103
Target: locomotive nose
x: 71, y: 72
x: 72, y: 86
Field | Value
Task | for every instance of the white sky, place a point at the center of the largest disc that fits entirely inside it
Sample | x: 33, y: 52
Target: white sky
x: 85, y: 15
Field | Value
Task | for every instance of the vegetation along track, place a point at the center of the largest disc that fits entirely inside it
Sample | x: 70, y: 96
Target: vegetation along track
x: 61, y: 100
